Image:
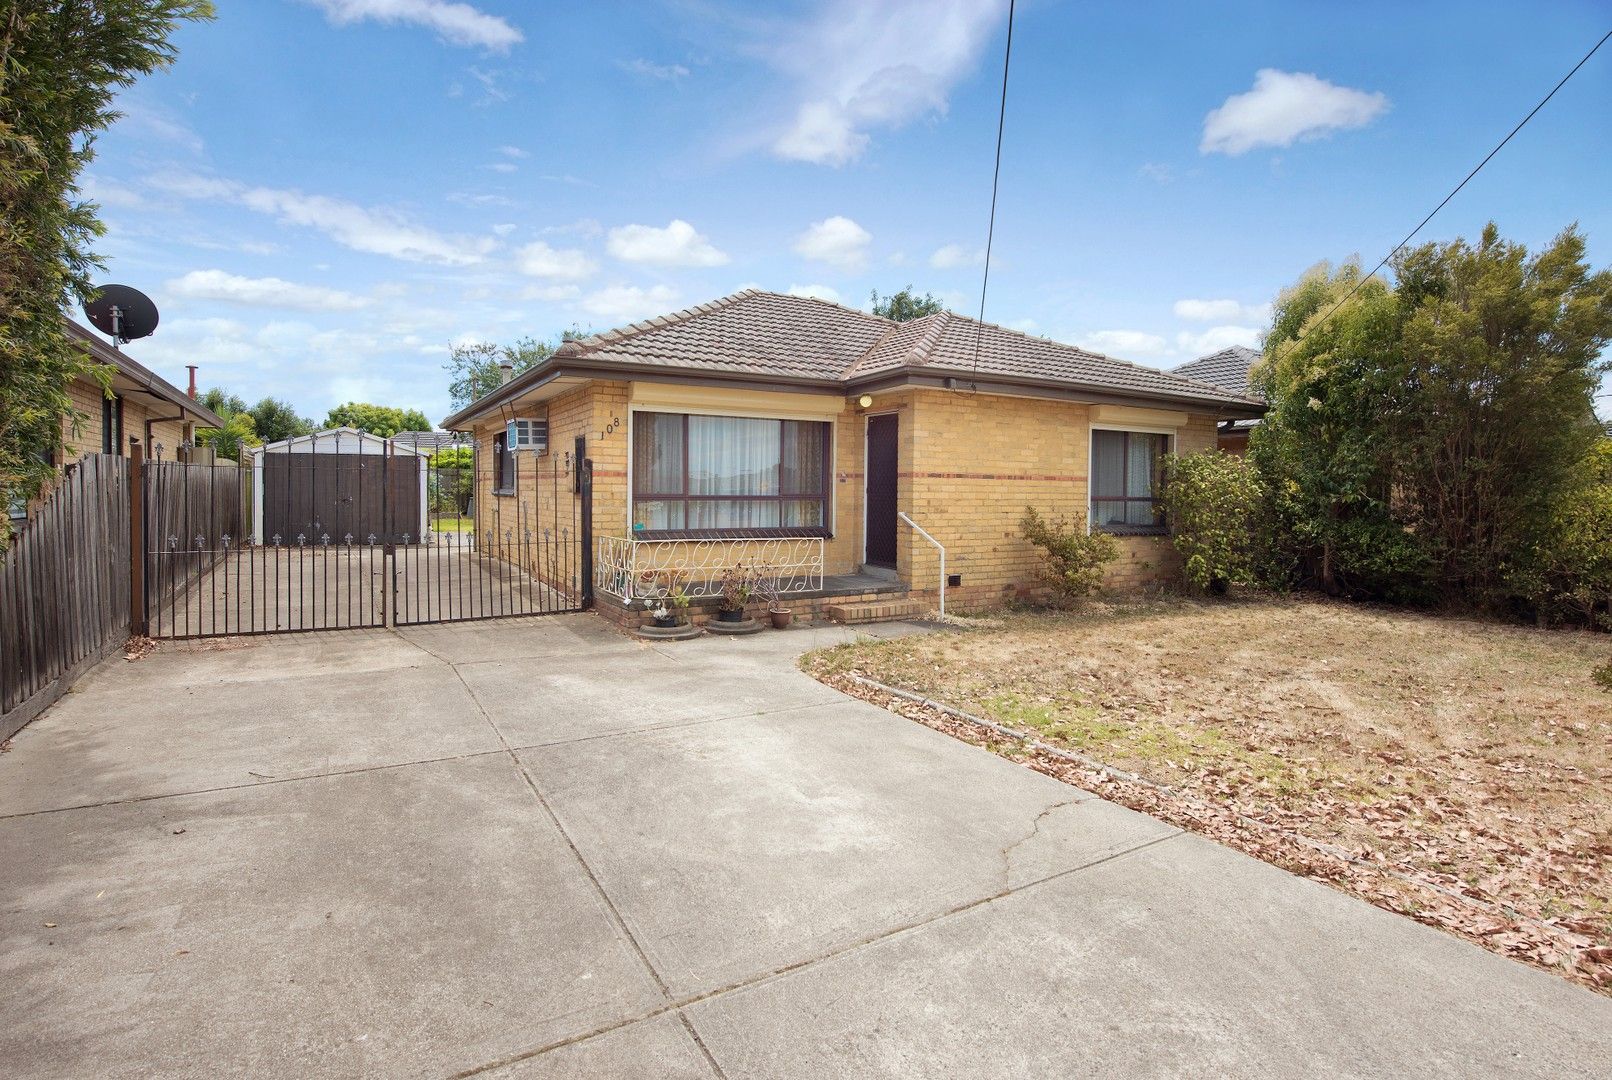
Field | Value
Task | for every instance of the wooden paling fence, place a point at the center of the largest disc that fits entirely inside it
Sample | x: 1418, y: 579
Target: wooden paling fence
x: 64, y: 588
x: 194, y: 515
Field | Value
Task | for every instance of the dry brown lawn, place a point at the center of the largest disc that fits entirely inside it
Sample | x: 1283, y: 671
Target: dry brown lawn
x: 1455, y: 770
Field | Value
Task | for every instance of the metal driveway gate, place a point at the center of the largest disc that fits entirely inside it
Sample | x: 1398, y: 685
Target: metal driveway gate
x: 330, y: 536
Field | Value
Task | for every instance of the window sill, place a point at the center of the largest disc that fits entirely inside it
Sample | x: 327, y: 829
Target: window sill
x: 504, y: 492
x: 1133, y: 530
x: 732, y: 534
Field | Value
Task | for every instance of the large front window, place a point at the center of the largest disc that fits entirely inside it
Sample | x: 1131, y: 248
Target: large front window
x: 718, y: 473
x: 1125, y: 469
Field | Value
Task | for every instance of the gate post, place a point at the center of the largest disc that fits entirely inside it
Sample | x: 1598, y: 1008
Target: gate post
x: 388, y: 547
x: 137, y: 540
x: 585, y: 469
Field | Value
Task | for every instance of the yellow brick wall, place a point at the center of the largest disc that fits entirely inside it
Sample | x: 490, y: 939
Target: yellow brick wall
x: 968, y: 466
x: 81, y: 434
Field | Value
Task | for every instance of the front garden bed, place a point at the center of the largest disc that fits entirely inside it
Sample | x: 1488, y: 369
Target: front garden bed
x: 1454, y: 770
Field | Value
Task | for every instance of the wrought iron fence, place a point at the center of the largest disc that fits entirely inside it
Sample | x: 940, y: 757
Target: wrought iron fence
x: 631, y: 569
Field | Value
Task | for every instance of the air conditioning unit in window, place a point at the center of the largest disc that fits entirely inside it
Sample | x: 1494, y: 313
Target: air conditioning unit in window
x: 527, y: 435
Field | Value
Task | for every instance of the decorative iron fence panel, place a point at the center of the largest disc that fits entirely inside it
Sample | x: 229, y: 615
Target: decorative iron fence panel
x: 333, y: 533
x: 510, y: 554
x: 218, y: 564
x: 64, y: 587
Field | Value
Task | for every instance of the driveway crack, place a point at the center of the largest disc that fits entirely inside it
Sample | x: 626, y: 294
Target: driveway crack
x: 1035, y: 830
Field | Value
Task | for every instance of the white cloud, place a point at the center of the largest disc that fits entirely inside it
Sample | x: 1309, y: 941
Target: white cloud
x: 821, y: 292
x: 158, y: 123
x: 263, y: 292
x: 1158, y: 173
x: 556, y: 264
x: 1124, y: 343
x: 1216, y: 338
x: 513, y: 152
x: 837, y: 241
x: 504, y: 228
x: 1283, y: 108
x: 951, y: 256
x: 379, y: 232
x: 109, y: 193
x: 455, y: 23
x: 1220, y: 310
x: 862, y: 66
x: 551, y: 293
x: 666, y: 72
x: 675, y: 245
x: 629, y: 303
x: 503, y: 166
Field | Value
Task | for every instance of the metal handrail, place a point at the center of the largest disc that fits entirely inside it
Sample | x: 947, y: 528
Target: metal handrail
x: 919, y: 529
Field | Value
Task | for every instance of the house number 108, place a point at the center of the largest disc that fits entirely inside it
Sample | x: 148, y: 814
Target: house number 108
x: 606, y: 431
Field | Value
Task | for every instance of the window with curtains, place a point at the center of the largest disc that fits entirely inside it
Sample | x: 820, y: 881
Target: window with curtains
x: 700, y: 474
x: 1125, y: 467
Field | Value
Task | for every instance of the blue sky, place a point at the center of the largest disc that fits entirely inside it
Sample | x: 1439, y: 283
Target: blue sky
x: 323, y: 195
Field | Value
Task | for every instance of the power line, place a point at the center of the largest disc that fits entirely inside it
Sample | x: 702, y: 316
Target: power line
x: 996, y: 176
x: 1411, y: 235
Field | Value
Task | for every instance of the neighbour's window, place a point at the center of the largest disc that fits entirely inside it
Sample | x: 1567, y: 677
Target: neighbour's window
x: 1125, y: 468
x: 712, y: 473
x: 503, y: 466
x: 112, y: 425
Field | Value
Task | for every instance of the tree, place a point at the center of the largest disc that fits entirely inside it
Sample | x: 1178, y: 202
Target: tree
x: 239, y: 430
x: 904, y: 305
x: 1421, y: 436
x: 474, y: 371
x: 382, y: 420
x: 61, y: 66
x: 276, y: 420
x: 1503, y: 351
x: 1335, y: 386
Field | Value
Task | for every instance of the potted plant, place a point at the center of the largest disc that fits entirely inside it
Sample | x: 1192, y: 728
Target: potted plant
x: 769, y: 586
x: 737, y: 588
x: 679, y: 599
x: 663, y: 615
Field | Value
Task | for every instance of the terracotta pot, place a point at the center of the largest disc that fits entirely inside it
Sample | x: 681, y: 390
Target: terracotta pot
x: 781, y: 619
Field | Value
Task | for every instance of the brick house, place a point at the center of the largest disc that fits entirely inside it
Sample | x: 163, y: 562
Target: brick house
x: 763, y: 417
x: 143, y: 405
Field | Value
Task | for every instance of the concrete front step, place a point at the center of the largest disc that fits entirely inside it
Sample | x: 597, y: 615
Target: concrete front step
x: 868, y: 611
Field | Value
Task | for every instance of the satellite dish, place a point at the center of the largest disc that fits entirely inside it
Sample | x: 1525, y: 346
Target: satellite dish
x: 122, y: 312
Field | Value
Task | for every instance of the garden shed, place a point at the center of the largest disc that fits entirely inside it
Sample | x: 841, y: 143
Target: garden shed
x: 337, y: 485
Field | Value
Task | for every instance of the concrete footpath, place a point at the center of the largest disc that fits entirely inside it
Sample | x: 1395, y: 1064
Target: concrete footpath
x: 536, y: 848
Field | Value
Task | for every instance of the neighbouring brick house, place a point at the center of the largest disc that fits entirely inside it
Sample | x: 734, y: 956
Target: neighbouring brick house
x: 143, y: 405
x: 762, y: 417
x: 1227, y: 369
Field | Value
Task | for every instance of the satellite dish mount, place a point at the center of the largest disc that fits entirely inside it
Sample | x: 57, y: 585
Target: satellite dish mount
x: 122, y: 313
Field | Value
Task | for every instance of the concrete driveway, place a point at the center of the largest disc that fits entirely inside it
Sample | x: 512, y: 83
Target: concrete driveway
x: 536, y: 848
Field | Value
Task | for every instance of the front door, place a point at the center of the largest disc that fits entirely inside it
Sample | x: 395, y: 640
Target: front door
x: 881, y: 490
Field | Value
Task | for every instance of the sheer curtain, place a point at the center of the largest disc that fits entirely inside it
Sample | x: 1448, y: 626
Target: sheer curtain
x: 1125, y: 469
x: 731, y: 455
x: 728, y: 472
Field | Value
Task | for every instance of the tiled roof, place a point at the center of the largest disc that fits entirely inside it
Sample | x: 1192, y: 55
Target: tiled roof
x: 770, y: 334
x: 1227, y: 369
x: 749, y: 333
